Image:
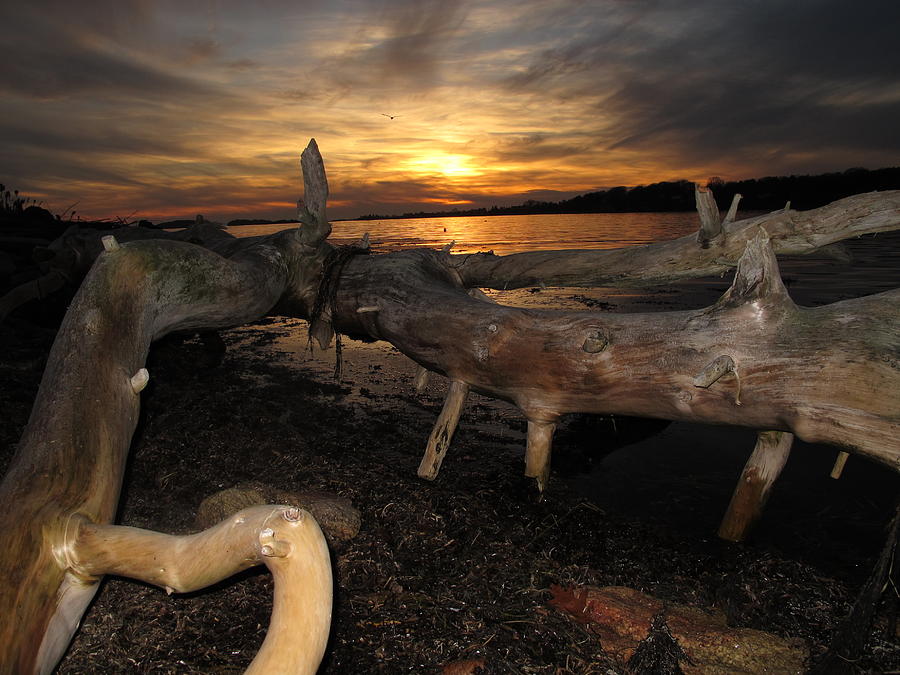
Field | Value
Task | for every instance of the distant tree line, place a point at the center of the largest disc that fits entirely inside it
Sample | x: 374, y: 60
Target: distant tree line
x: 758, y: 194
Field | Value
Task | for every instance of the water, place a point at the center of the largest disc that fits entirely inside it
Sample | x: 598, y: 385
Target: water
x: 812, y: 280
x: 509, y: 234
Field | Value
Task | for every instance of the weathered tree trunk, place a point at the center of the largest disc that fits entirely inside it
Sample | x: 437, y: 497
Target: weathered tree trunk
x: 70, y: 460
x: 781, y: 359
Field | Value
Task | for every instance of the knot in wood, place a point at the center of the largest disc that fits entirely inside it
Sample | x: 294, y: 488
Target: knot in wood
x: 595, y: 342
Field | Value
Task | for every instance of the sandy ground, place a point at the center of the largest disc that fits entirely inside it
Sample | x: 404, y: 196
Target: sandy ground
x: 461, y: 567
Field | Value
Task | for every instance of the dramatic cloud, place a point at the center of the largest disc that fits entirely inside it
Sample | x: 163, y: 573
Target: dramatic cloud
x: 168, y: 108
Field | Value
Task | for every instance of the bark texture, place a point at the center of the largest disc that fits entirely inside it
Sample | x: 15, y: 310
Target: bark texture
x: 753, y: 359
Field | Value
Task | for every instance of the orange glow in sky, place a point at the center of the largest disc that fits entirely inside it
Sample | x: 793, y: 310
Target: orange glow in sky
x: 168, y: 109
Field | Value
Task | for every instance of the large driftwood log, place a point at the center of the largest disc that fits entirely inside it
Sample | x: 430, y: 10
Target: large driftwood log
x: 67, y: 259
x: 752, y: 359
x: 72, y: 455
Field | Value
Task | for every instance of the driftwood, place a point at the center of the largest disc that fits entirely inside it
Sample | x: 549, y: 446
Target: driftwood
x: 68, y: 466
x: 622, y: 618
x: 66, y: 260
x: 752, y: 359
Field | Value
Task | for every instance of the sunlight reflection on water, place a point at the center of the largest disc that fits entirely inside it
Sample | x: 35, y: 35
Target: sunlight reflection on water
x: 812, y: 280
x: 509, y: 234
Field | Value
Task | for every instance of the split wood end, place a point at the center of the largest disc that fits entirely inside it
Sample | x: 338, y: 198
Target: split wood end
x: 110, y: 243
x: 839, y: 463
x: 139, y: 380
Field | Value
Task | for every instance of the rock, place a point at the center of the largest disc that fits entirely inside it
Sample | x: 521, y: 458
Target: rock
x: 336, y: 515
x: 622, y: 619
x: 36, y: 215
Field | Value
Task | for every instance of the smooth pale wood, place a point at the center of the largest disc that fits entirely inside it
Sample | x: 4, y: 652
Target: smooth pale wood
x: 753, y: 489
x: 109, y: 243
x: 315, y: 226
x: 444, y: 428
x: 72, y: 454
x: 537, y: 451
x: 302, y: 612
x: 791, y: 233
x: 286, y: 539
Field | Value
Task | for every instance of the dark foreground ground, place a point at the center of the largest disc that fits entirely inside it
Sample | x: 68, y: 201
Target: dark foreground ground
x: 459, y: 568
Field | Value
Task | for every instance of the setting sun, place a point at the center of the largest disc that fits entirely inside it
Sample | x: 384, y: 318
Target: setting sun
x: 442, y: 164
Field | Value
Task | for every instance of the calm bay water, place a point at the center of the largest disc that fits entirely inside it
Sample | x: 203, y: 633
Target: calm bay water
x: 509, y: 234
x: 811, y: 280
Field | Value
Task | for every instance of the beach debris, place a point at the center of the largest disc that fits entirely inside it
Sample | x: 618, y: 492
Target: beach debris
x: 336, y: 515
x: 623, y: 619
x: 464, y: 667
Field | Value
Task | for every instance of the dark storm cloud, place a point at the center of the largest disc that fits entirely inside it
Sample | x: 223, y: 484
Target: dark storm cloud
x: 535, y: 148
x: 709, y: 79
x: 400, y: 48
x: 165, y: 101
x: 22, y: 134
x: 55, y: 50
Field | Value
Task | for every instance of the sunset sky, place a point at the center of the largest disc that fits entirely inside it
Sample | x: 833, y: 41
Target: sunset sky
x: 161, y: 109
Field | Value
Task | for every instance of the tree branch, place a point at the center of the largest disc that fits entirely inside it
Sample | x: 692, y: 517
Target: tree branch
x: 286, y: 539
x: 791, y: 233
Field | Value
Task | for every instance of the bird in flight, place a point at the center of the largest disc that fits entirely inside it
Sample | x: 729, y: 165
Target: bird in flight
x: 390, y: 116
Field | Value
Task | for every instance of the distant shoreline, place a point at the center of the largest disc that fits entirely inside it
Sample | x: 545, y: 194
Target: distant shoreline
x: 757, y: 194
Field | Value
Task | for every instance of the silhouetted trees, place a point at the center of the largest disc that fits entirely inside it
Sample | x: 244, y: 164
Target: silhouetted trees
x: 759, y: 194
